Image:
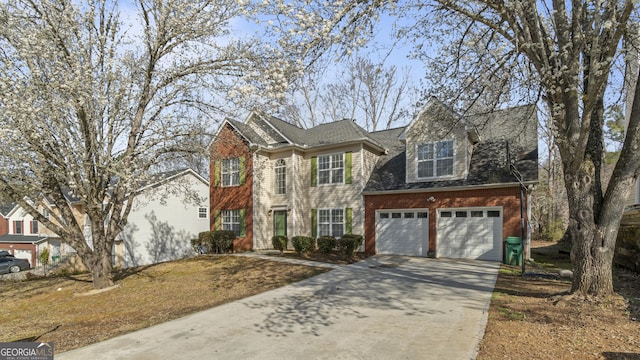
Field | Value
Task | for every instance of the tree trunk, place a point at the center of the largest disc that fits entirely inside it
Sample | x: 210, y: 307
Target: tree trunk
x: 99, y: 262
x: 101, y: 270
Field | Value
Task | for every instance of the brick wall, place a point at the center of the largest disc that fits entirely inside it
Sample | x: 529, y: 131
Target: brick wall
x: 4, y: 226
x: 230, y: 144
x: 507, y: 198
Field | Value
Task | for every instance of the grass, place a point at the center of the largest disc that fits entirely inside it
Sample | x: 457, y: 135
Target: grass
x: 64, y: 311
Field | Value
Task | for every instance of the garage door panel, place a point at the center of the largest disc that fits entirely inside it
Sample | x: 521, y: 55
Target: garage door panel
x: 470, y: 234
x: 402, y: 233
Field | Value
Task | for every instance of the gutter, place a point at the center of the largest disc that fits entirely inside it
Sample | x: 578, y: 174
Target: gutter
x: 448, y: 188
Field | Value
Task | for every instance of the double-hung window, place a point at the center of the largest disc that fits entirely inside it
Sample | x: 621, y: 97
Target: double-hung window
x: 231, y: 221
x: 17, y: 227
x: 331, y: 222
x: 435, y: 159
x: 202, y: 213
x: 231, y: 172
x: 34, y: 226
x: 280, y: 172
x: 331, y: 169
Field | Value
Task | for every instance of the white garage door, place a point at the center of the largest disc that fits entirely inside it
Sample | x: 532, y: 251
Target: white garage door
x: 23, y: 254
x: 471, y: 233
x: 402, y: 232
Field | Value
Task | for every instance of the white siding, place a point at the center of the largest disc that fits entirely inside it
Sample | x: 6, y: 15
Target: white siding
x: 162, y: 222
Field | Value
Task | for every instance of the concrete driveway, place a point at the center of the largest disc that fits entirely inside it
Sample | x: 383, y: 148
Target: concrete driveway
x: 385, y: 307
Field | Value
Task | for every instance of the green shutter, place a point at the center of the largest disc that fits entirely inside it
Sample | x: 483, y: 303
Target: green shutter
x: 347, y: 167
x: 314, y: 171
x: 242, y: 170
x: 216, y: 173
x: 314, y: 223
x: 217, y: 221
x: 242, y: 224
x: 348, y: 221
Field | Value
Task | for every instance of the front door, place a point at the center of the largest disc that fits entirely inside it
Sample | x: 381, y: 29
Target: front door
x: 280, y: 222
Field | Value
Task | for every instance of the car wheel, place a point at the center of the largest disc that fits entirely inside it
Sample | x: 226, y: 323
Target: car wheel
x: 14, y: 269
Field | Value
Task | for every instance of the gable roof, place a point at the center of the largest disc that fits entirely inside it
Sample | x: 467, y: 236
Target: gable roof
x: 5, y: 208
x: 272, y: 133
x: 166, y: 176
x: 504, y: 135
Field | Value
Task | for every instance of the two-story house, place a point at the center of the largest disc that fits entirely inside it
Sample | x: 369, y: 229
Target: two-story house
x: 269, y: 177
x: 4, y: 220
x: 440, y: 186
x: 26, y: 238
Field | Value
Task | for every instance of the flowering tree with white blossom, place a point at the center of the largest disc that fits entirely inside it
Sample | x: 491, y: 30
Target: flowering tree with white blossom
x: 93, y: 95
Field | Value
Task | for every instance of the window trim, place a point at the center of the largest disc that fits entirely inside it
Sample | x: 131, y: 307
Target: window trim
x: 331, y: 223
x: 331, y: 169
x: 435, y: 159
x: 230, y: 171
x: 18, y: 230
x: 280, y: 188
x: 229, y: 225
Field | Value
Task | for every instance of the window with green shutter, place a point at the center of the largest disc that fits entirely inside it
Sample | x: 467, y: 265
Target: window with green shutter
x: 314, y: 171
x: 347, y: 167
x: 216, y: 173
x: 242, y: 224
x: 348, y: 221
x: 314, y: 223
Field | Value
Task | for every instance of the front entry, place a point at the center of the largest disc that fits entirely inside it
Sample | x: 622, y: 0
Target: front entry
x: 280, y: 222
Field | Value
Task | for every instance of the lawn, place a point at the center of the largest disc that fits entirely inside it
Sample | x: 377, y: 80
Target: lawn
x: 66, y: 311
x: 532, y: 317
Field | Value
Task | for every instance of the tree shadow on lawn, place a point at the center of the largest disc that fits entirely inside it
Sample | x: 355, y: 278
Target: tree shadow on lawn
x: 35, y: 338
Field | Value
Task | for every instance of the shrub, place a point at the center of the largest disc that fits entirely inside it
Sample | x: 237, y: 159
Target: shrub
x: 326, y: 244
x: 201, y: 244
x: 279, y: 242
x: 302, y: 243
x: 222, y: 241
x: 44, y: 256
x: 348, y: 243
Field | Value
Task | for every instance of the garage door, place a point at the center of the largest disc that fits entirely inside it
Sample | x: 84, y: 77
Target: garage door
x: 470, y: 233
x: 402, y: 232
x: 23, y: 254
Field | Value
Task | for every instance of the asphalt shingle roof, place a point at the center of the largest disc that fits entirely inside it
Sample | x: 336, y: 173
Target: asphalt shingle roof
x: 5, y: 208
x: 510, y: 131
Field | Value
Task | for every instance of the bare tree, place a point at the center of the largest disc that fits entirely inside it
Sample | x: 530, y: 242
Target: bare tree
x: 371, y: 93
x: 90, y: 103
x: 568, y: 51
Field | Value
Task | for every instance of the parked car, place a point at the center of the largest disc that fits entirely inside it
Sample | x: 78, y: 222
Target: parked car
x: 5, y: 253
x: 10, y: 264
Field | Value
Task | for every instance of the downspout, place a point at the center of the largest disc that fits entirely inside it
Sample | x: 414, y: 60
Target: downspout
x: 294, y: 162
x: 255, y: 202
x: 362, y: 185
x: 518, y: 176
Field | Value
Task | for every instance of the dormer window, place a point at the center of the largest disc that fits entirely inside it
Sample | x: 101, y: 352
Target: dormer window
x: 435, y: 159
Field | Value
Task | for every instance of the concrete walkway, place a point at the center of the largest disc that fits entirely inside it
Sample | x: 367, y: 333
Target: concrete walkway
x: 380, y: 308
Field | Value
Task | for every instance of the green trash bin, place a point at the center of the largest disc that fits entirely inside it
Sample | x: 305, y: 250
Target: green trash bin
x: 514, y: 251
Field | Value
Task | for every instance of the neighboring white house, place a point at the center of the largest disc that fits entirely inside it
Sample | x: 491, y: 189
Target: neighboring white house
x: 165, y: 216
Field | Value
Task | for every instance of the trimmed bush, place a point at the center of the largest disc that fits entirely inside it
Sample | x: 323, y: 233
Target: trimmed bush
x: 348, y: 243
x: 201, y: 245
x: 326, y: 244
x: 279, y: 242
x: 302, y: 244
x: 222, y: 241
